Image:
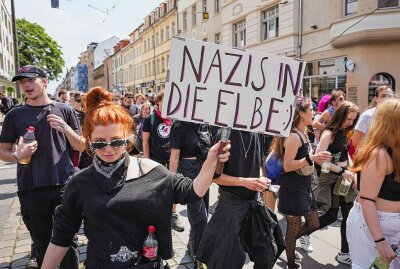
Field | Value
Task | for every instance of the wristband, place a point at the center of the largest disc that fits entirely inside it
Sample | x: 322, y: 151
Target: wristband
x: 342, y: 171
x: 308, y: 159
x: 380, y: 240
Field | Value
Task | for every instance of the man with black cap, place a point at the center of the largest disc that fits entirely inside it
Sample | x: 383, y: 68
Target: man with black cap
x: 40, y: 182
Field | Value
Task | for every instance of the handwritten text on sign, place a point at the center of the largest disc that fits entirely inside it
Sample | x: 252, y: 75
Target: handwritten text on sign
x: 223, y: 86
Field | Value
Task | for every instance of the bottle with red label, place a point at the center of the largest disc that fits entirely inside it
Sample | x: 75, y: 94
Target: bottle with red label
x: 28, y: 137
x: 150, y: 245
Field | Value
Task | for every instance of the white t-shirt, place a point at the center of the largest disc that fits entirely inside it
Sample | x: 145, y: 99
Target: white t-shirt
x: 365, y: 120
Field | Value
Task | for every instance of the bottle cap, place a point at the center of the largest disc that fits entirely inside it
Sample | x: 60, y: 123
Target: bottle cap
x: 151, y: 229
x: 30, y: 128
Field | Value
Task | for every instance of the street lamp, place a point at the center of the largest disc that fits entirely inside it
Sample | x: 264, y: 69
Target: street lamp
x: 15, y: 41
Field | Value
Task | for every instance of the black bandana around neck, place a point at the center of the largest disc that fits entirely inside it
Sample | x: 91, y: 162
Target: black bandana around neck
x: 111, y: 176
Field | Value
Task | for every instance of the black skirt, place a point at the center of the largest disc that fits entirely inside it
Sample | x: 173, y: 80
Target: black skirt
x: 295, y: 195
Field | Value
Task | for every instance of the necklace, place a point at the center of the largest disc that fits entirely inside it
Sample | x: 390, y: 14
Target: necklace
x: 248, y: 148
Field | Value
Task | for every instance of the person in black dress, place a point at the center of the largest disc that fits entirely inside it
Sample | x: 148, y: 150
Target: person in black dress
x: 119, y: 196
x: 295, y: 198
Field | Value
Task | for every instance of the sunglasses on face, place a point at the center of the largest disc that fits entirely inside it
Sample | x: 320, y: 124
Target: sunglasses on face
x: 115, y: 143
x: 130, y: 97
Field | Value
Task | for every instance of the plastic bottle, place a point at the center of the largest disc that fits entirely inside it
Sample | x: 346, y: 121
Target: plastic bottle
x: 28, y: 137
x: 380, y: 263
x: 150, y: 245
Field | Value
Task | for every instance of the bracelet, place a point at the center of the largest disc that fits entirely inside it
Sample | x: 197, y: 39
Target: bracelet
x: 342, y: 171
x: 380, y: 240
x: 308, y: 159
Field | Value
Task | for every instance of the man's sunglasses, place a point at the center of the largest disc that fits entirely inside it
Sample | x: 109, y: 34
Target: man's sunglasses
x: 115, y: 143
x: 130, y: 97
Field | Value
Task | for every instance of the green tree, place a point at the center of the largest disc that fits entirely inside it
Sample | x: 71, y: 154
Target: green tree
x: 10, y: 90
x: 37, y: 47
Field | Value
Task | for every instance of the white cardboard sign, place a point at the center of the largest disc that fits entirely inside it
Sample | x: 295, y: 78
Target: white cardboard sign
x: 229, y: 87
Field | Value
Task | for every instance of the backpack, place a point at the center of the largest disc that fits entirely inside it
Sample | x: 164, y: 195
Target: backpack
x: 274, y: 168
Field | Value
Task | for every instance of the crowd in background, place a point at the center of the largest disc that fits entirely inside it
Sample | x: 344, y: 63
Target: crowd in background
x: 335, y: 158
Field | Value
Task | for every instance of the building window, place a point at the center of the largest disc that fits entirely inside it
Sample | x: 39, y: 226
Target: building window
x: 184, y: 20
x: 157, y: 41
x: 388, y: 3
x: 270, y: 23
x: 158, y: 66
x: 194, y: 15
x: 162, y: 65
x: 216, y: 38
x: 350, y: 7
x: 173, y: 28
x: 239, y: 34
x: 167, y: 33
x: 162, y: 35
x: 217, y: 5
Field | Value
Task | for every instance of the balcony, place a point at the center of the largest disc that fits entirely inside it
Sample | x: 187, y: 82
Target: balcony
x: 381, y: 26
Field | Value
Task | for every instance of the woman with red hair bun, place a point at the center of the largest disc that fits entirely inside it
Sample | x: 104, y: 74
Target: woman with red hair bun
x: 120, y: 196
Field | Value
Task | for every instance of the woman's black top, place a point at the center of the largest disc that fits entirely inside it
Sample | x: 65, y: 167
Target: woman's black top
x: 390, y: 189
x: 295, y: 192
x: 339, y: 148
x: 117, y: 213
x: 193, y: 140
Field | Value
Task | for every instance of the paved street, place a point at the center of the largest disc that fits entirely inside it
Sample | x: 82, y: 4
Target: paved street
x: 15, y: 240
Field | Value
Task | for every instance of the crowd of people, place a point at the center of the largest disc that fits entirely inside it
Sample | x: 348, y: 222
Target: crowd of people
x: 117, y: 165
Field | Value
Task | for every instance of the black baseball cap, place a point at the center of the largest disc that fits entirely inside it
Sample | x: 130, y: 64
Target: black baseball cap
x: 29, y: 71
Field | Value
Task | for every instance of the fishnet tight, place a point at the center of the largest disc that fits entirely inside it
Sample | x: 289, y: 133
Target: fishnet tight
x: 295, y: 229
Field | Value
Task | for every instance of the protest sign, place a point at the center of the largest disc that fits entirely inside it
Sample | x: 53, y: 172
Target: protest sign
x: 230, y: 87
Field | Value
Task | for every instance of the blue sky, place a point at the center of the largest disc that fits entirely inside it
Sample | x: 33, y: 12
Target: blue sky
x: 75, y: 24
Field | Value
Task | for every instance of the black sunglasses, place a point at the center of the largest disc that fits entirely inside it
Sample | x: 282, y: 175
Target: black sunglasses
x: 130, y: 97
x: 115, y: 143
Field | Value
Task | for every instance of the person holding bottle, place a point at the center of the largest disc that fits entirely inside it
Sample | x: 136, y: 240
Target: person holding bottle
x: 295, y: 198
x: 334, y: 139
x: 120, y: 196
x: 40, y: 182
x: 374, y: 222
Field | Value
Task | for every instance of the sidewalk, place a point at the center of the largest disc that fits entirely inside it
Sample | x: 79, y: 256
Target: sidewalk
x: 15, y: 244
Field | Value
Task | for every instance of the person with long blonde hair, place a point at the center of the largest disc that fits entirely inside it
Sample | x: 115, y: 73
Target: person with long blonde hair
x: 374, y: 222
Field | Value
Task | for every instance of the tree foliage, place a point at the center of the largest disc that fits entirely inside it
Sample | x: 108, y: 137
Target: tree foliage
x: 37, y: 47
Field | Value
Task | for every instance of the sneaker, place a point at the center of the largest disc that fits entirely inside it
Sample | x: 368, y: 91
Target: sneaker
x: 305, y: 243
x: 199, y: 265
x: 343, y: 258
x: 31, y: 264
x: 176, y: 224
x: 296, y: 266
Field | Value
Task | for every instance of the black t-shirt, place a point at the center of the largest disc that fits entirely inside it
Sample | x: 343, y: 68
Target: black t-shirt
x: 159, y: 138
x: 51, y: 164
x: 117, y: 212
x: 185, y: 136
x: 256, y: 146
